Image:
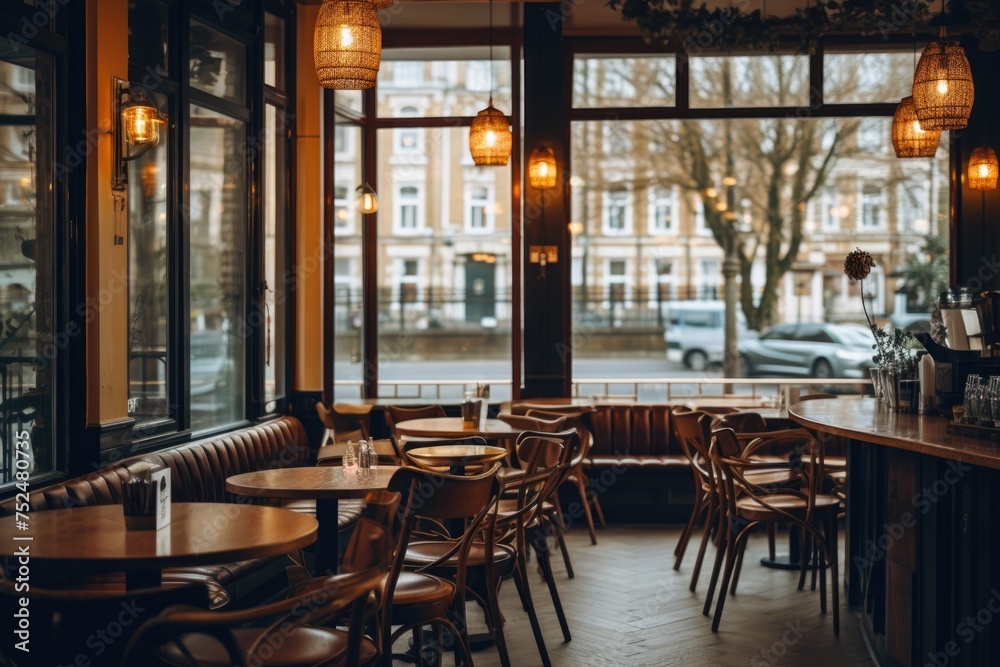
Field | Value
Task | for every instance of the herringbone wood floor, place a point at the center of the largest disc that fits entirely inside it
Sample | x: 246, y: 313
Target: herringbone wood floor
x: 627, y: 606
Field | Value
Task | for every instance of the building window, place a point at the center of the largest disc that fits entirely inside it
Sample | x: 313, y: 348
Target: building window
x: 701, y: 227
x: 408, y: 281
x: 617, y: 212
x: 409, y: 210
x: 872, y: 136
x: 342, y: 209
x: 709, y: 279
x: 343, y: 142
x: 830, y: 209
x: 871, y: 207
x: 477, y: 75
x: 912, y: 209
x: 479, y: 208
x: 662, y: 210
x: 616, y: 292
x: 408, y: 139
x: 407, y: 73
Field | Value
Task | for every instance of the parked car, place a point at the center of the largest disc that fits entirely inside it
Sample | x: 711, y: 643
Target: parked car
x: 809, y: 349
x: 696, y: 332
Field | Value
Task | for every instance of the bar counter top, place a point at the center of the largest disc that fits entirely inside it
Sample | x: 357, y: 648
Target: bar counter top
x: 860, y: 419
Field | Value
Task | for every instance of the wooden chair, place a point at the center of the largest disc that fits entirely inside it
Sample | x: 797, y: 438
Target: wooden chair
x: 344, y: 421
x: 745, y: 505
x: 395, y: 414
x: 577, y: 477
x: 63, y: 623
x: 182, y: 636
x: 417, y: 597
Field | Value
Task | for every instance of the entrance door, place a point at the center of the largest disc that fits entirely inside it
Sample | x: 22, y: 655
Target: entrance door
x: 480, y: 290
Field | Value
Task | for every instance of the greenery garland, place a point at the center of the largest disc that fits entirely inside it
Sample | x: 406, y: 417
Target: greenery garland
x: 738, y: 27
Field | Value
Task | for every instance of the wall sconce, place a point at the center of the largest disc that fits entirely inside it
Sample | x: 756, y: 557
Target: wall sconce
x: 136, y: 123
x: 542, y: 171
x: 984, y: 170
x: 367, y: 201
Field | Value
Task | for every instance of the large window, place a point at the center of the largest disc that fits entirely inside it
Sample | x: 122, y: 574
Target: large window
x: 779, y: 190
x: 30, y: 221
x: 208, y: 221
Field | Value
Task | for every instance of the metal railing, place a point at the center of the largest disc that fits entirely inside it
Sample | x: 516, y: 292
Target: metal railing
x: 754, y: 390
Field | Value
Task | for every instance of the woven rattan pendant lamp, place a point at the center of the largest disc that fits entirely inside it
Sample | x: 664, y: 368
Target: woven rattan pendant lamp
x: 909, y: 139
x: 347, y: 44
x: 984, y: 169
x: 943, y: 90
x: 490, y: 137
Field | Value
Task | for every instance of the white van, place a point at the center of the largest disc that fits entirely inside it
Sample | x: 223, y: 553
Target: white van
x: 696, y: 332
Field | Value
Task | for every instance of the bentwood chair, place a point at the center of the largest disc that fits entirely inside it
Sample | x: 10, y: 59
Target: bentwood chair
x: 417, y: 596
x: 344, y: 421
x: 746, y: 504
x: 284, y: 633
x: 63, y: 623
x: 395, y: 414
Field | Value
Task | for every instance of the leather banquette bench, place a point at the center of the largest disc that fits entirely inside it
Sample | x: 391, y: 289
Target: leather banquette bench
x: 198, y: 473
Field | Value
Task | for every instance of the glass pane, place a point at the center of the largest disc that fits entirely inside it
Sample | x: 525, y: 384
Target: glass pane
x: 218, y: 225
x: 149, y: 36
x: 721, y: 82
x: 442, y: 82
x: 867, y: 78
x: 27, y: 268
x: 348, y: 99
x: 275, y: 224
x: 348, y: 324
x: 444, y: 272
x: 218, y: 63
x: 648, y: 297
x: 149, y: 291
x: 632, y: 81
x: 274, y: 51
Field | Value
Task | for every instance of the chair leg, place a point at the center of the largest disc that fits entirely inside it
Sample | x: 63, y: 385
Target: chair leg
x: 686, y: 533
x: 521, y: 582
x: 804, y: 545
x: 739, y: 567
x: 550, y: 580
x: 705, y: 535
x: 735, y: 542
x: 461, y: 643
x: 592, y: 498
x: 720, y: 556
x: 582, y: 490
x: 834, y: 556
x: 561, y: 541
x: 494, y: 621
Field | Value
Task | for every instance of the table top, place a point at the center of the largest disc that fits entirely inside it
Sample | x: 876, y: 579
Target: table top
x: 452, y: 427
x: 861, y: 419
x: 456, y: 455
x: 321, y: 482
x: 198, y: 534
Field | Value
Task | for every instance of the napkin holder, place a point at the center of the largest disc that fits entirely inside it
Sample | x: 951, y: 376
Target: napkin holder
x: 146, y: 500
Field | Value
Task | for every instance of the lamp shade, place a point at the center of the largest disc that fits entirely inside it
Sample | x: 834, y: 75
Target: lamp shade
x: 983, y: 169
x: 347, y: 44
x: 943, y: 90
x: 542, y: 169
x: 141, y: 122
x: 909, y: 139
x: 367, y: 201
x: 490, y: 138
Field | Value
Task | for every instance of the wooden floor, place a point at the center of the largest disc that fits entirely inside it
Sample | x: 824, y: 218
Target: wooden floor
x: 627, y: 606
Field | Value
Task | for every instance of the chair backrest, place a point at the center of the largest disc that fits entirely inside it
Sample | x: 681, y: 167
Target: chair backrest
x: 344, y: 421
x: 366, y: 561
x: 534, y: 422
x: 68, y: 624
x: 395, y: 414
x: 742, y: 422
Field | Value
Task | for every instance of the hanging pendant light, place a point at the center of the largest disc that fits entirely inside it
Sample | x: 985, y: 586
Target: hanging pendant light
x: 490, y: 138
x: 909, y: 139
x: 347, y: 44
x: 943, y: 90
x: 542, y: 169
x: 984, y: 170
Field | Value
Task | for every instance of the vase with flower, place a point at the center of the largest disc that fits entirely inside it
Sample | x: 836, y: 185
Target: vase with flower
x: 894, y: 377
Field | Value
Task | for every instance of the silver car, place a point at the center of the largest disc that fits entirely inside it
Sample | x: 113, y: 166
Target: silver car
x: 810, y: 349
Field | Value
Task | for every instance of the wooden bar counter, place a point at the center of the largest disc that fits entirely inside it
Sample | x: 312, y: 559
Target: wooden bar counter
x: 923, y: 526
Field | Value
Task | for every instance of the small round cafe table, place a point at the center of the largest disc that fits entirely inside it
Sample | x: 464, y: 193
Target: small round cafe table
x: 456, y: 457
x: 453, y: 427
x: 327, y: 485
x: 94, y: 538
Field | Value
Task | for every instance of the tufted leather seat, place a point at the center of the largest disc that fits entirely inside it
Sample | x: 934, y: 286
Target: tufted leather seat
x: 633, y: 436
x: 198, y: 473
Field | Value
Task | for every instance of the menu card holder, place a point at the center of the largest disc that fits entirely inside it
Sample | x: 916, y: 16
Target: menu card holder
x: 146, y: 499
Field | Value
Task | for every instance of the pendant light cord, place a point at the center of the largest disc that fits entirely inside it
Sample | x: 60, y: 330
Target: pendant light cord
x: 491, y: 52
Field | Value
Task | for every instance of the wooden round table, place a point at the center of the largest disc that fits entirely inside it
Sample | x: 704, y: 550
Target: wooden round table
x: 453, y: 427
x: 327, y: 485
x: 456, y: 457
x: 94, y: 539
